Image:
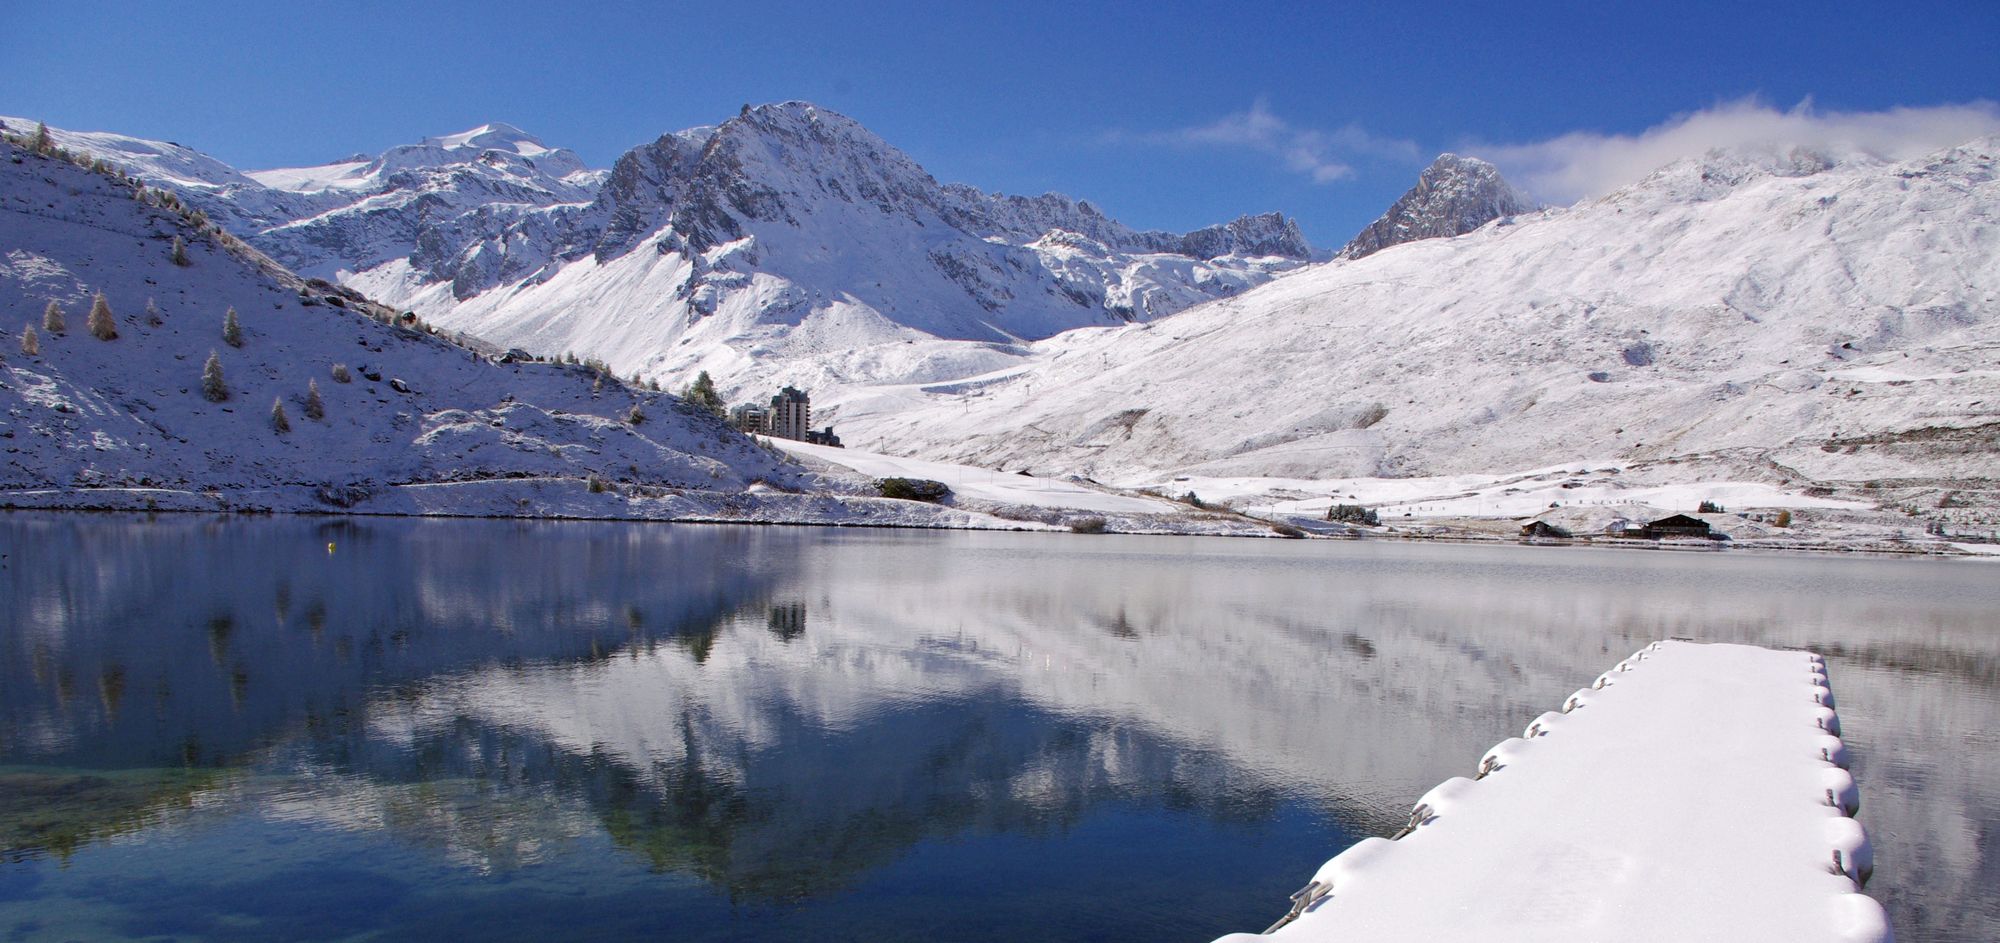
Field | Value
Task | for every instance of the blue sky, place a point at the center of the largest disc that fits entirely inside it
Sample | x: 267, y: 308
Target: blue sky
x: 1168, y: 115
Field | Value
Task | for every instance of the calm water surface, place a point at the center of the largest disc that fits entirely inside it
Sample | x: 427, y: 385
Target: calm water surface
x: 239, y: 728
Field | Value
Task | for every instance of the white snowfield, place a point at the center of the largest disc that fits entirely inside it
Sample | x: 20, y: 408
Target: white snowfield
x: 985, y: 484
x: 1694, y: 792
x: 1528, y: 493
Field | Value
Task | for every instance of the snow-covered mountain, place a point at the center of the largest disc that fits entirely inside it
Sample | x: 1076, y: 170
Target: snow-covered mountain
x: 788, y: 244
x: 1453, y: 196
x: 1801, y: 317
x: 216, y: 379
x: 792, y: 245
x: 133, y: 416
x: 426, y: 204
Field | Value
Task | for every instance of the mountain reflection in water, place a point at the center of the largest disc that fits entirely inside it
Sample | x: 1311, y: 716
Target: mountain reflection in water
x: 725, y: 732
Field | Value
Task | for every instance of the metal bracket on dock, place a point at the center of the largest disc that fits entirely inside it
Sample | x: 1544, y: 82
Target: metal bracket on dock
x: 1302, y: 898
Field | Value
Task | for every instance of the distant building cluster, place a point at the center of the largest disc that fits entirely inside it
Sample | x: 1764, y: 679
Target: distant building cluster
x: 1676, y: 527
x: 788, y: 417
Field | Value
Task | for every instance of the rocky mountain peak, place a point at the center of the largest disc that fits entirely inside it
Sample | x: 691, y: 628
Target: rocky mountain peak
x: 1259, y: 235
x: 778, y: 163
x: 1453, y: 196
x: 497, y: 148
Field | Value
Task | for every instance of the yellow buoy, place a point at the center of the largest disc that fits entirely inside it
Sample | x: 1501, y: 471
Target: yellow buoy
x: 329, y: 547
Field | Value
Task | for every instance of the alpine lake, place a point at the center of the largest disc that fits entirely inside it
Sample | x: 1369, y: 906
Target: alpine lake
x: 295, y: 728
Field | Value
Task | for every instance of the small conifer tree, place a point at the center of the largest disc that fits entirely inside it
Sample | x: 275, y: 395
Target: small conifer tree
x: 279, y: 424
x: 232, y: 332
x: 702, y: 393
x: 180, y: 252
x: 1784, y: 519
x: 636, y: 416
x: 212, y: 384
x: 341, y: 374
x: 42, y: 143
x: 30, y: 343
x: 153, y: 317
x: 315, y: 407
x: 52, y: 319
x: 102, y: 325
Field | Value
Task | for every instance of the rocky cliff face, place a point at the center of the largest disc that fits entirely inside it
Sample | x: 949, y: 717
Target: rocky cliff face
x: 1267, y: 234
x: 1454, y: 196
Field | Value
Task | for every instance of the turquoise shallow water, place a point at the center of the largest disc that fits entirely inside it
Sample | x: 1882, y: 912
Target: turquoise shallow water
x: 224, y: 728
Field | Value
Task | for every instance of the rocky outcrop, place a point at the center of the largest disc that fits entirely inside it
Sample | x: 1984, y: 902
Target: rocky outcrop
x: 1454, y: 196
x: 1262, y: 235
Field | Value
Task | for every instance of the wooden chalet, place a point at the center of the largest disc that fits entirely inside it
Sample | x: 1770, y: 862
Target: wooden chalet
x: 1676, y: 527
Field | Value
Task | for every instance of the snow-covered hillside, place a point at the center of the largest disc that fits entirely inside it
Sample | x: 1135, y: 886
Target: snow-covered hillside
x: 130, y: 414
x: 1796, y: 318
x: 241, y: 204
x: 172, y: 399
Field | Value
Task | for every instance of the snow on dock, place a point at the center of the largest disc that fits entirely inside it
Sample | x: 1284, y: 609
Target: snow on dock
x: 1694, y: 792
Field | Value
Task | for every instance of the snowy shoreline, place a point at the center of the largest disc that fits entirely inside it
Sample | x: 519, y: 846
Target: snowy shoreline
x: 773, y: 508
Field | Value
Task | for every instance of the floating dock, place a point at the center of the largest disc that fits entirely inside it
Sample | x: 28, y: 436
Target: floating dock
x: 1694, y: 792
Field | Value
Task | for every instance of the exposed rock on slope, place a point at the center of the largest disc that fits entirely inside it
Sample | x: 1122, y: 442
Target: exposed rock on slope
x: 1454, y: 196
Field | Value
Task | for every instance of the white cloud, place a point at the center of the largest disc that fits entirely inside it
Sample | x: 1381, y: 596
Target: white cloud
x: 1321, y: 155
x: 1586, y: 164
